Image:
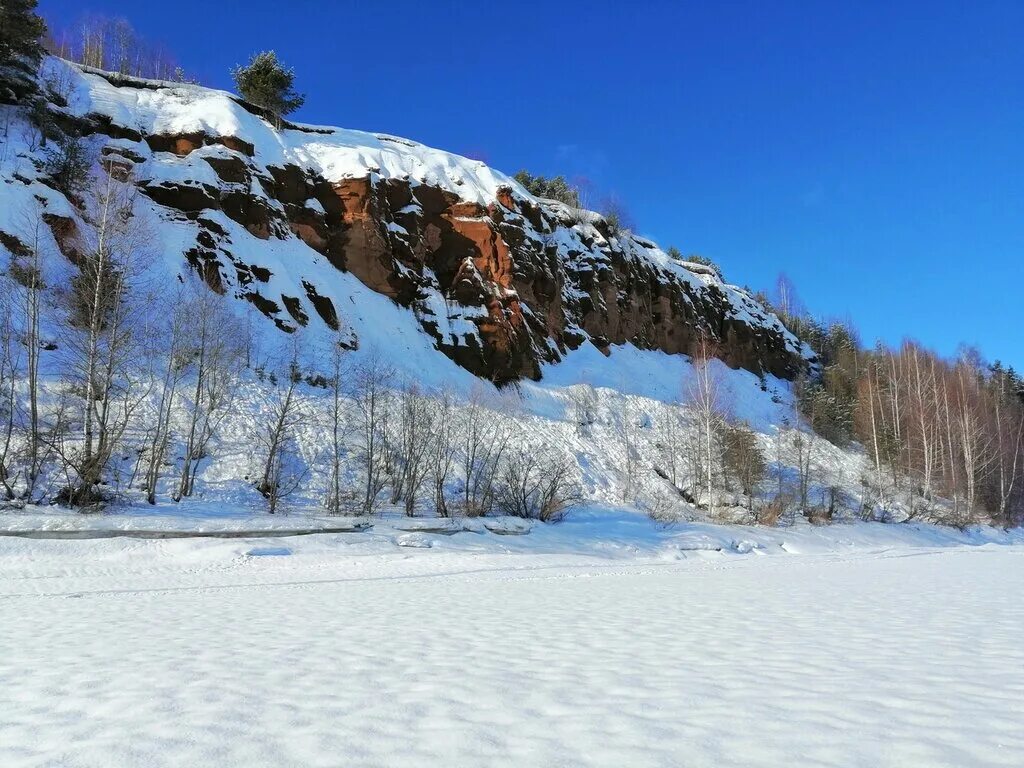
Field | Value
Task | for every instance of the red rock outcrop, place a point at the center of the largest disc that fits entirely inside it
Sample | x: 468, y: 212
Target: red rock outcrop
x: 498, y: 267
x: 519, y: 282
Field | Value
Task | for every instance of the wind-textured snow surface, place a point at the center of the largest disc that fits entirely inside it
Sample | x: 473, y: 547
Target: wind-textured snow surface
x: 282, y: 653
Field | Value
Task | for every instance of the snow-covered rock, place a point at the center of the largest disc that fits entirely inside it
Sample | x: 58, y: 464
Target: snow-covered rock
x: 388, y: 241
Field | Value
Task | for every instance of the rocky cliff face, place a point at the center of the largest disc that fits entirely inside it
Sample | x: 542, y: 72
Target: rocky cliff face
x: 500, y: 281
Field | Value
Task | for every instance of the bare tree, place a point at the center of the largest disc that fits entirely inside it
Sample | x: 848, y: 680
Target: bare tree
x: 10, y: 373
x: 484, y: 437
x: 276, y: 436
x: 743, y: 461
x: 803, y: 445
x: 336, y: 424
x: 974, y: 441
x: 1009, y: 428
x: 99, y: 339
x: 923, y: 403
x: 630, y: 453
x: 868, y: 417
x: 445, y: 448
x: 583, y: 398
x: 537, y: 484
x: 214, y: 355
x: 372, y: 379
x: 787, y: 301
x: 704, y: 400
x: 780, y: 505
x: 416, y: 427
x: 114, y: 45
x: 616, y: 217
x: 26, y: 289
x: 671, y: 441
x: 169, y: 365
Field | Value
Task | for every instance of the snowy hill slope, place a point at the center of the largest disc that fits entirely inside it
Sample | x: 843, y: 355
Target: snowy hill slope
x: 447, y: 270
x: 328, y: 229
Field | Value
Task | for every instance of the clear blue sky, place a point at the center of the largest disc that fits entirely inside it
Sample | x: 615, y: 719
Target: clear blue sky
x: 872, y: 151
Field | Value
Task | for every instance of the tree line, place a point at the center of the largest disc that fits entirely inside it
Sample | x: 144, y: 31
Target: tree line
x: 945, y: 437
x: 112, y: 44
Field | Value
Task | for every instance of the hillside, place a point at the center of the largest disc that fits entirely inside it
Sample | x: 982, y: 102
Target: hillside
x: 359, y: 323
x: 305, y: 222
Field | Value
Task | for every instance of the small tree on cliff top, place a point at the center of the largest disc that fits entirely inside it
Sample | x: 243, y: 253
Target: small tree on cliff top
x: 267, y: 83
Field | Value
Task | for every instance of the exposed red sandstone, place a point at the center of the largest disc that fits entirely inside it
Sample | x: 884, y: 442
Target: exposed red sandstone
x: 501, y: 267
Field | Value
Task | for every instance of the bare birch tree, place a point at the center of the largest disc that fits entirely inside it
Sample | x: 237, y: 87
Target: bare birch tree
x: 704, y: 400
x: 169, y: 365
x: 99, y: 336
x: 484, y: 439
x: 1009, y: 428
x: 277, y: 435
x: 371, y: 386
x: 445, y: 448
x: 11, y: 364
x: 214, y: 353
x: 336, y: 424
x: 26, y: 288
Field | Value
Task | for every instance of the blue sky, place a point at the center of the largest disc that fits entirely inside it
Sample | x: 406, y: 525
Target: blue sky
x: 874, y: 152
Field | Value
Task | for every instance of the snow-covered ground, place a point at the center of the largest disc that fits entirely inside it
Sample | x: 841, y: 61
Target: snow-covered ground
x: 605, y: 640
x: 858, y: 645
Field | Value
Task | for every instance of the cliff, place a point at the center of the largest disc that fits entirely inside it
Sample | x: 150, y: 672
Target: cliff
x: 499, y: 281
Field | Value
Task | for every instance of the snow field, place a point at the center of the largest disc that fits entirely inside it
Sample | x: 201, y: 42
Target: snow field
x: 185, y: 653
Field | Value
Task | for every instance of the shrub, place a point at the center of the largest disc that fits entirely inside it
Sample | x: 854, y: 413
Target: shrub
x: 742, y: 458
x: 772, y: 512
x: 556, y: 188
x: 616, y: 217
x: 611, y: 218
x: 536, y: 485
x: 696, y: 258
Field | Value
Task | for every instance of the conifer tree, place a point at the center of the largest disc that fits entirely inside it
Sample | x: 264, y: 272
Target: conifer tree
x: 20, y: 32
x: 267, y: 83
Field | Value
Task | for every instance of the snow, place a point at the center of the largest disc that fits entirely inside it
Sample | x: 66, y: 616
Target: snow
x: 371, y: 321
x: 335, y: 153
x: 155, y: 108
x: 605, y: 640
x: 629, y: 385
x: 893, y: 646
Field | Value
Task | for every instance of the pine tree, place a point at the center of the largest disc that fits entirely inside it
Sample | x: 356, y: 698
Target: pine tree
x: 267, y: 83
x: 67, y: 163
x: 20, y: 31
